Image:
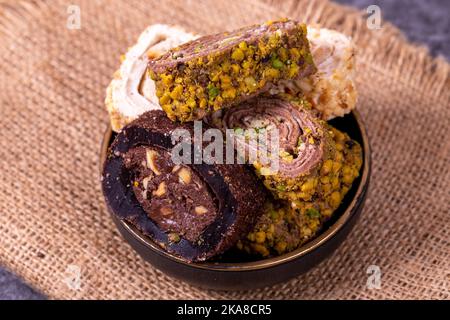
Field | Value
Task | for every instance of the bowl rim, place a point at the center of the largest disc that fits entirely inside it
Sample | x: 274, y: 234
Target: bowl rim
x: 267, y: 262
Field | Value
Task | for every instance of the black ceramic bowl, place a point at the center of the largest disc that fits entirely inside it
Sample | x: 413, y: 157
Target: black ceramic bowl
x: 237, y: 271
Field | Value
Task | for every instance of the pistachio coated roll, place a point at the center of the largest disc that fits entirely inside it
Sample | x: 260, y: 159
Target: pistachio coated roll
x: 305, y: 143
x: 288, y: 224
x: 217, y: 71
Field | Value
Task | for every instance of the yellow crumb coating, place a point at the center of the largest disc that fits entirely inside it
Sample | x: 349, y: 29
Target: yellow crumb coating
x: 287, y: 224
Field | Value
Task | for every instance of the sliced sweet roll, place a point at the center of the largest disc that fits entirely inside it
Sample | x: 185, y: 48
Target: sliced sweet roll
x: 286, y: 225
x: 330, y: 91
x: 305, y: 143
x: 194, y: 211
x: 220, y: 70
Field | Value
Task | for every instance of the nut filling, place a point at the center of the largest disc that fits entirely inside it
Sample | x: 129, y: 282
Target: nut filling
x: 183, y: 206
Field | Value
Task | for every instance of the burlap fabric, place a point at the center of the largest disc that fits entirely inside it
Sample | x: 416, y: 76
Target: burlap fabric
x: 52, y: 215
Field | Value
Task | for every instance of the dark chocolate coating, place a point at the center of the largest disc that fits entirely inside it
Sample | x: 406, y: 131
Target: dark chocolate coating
x: 235, y: 189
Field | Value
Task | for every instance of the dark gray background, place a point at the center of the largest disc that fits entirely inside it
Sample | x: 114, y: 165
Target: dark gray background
x: 423, y: 21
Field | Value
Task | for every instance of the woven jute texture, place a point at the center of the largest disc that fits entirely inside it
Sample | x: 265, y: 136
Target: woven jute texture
x: 52, y: 216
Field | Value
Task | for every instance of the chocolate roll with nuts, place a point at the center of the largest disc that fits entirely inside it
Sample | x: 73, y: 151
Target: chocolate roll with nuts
x: 217, y: 71
x: 194, y: 211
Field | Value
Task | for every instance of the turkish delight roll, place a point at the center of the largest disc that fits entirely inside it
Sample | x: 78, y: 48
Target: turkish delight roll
x: 216, y: 71
x: 194, y: 211
x: 305, y: 144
